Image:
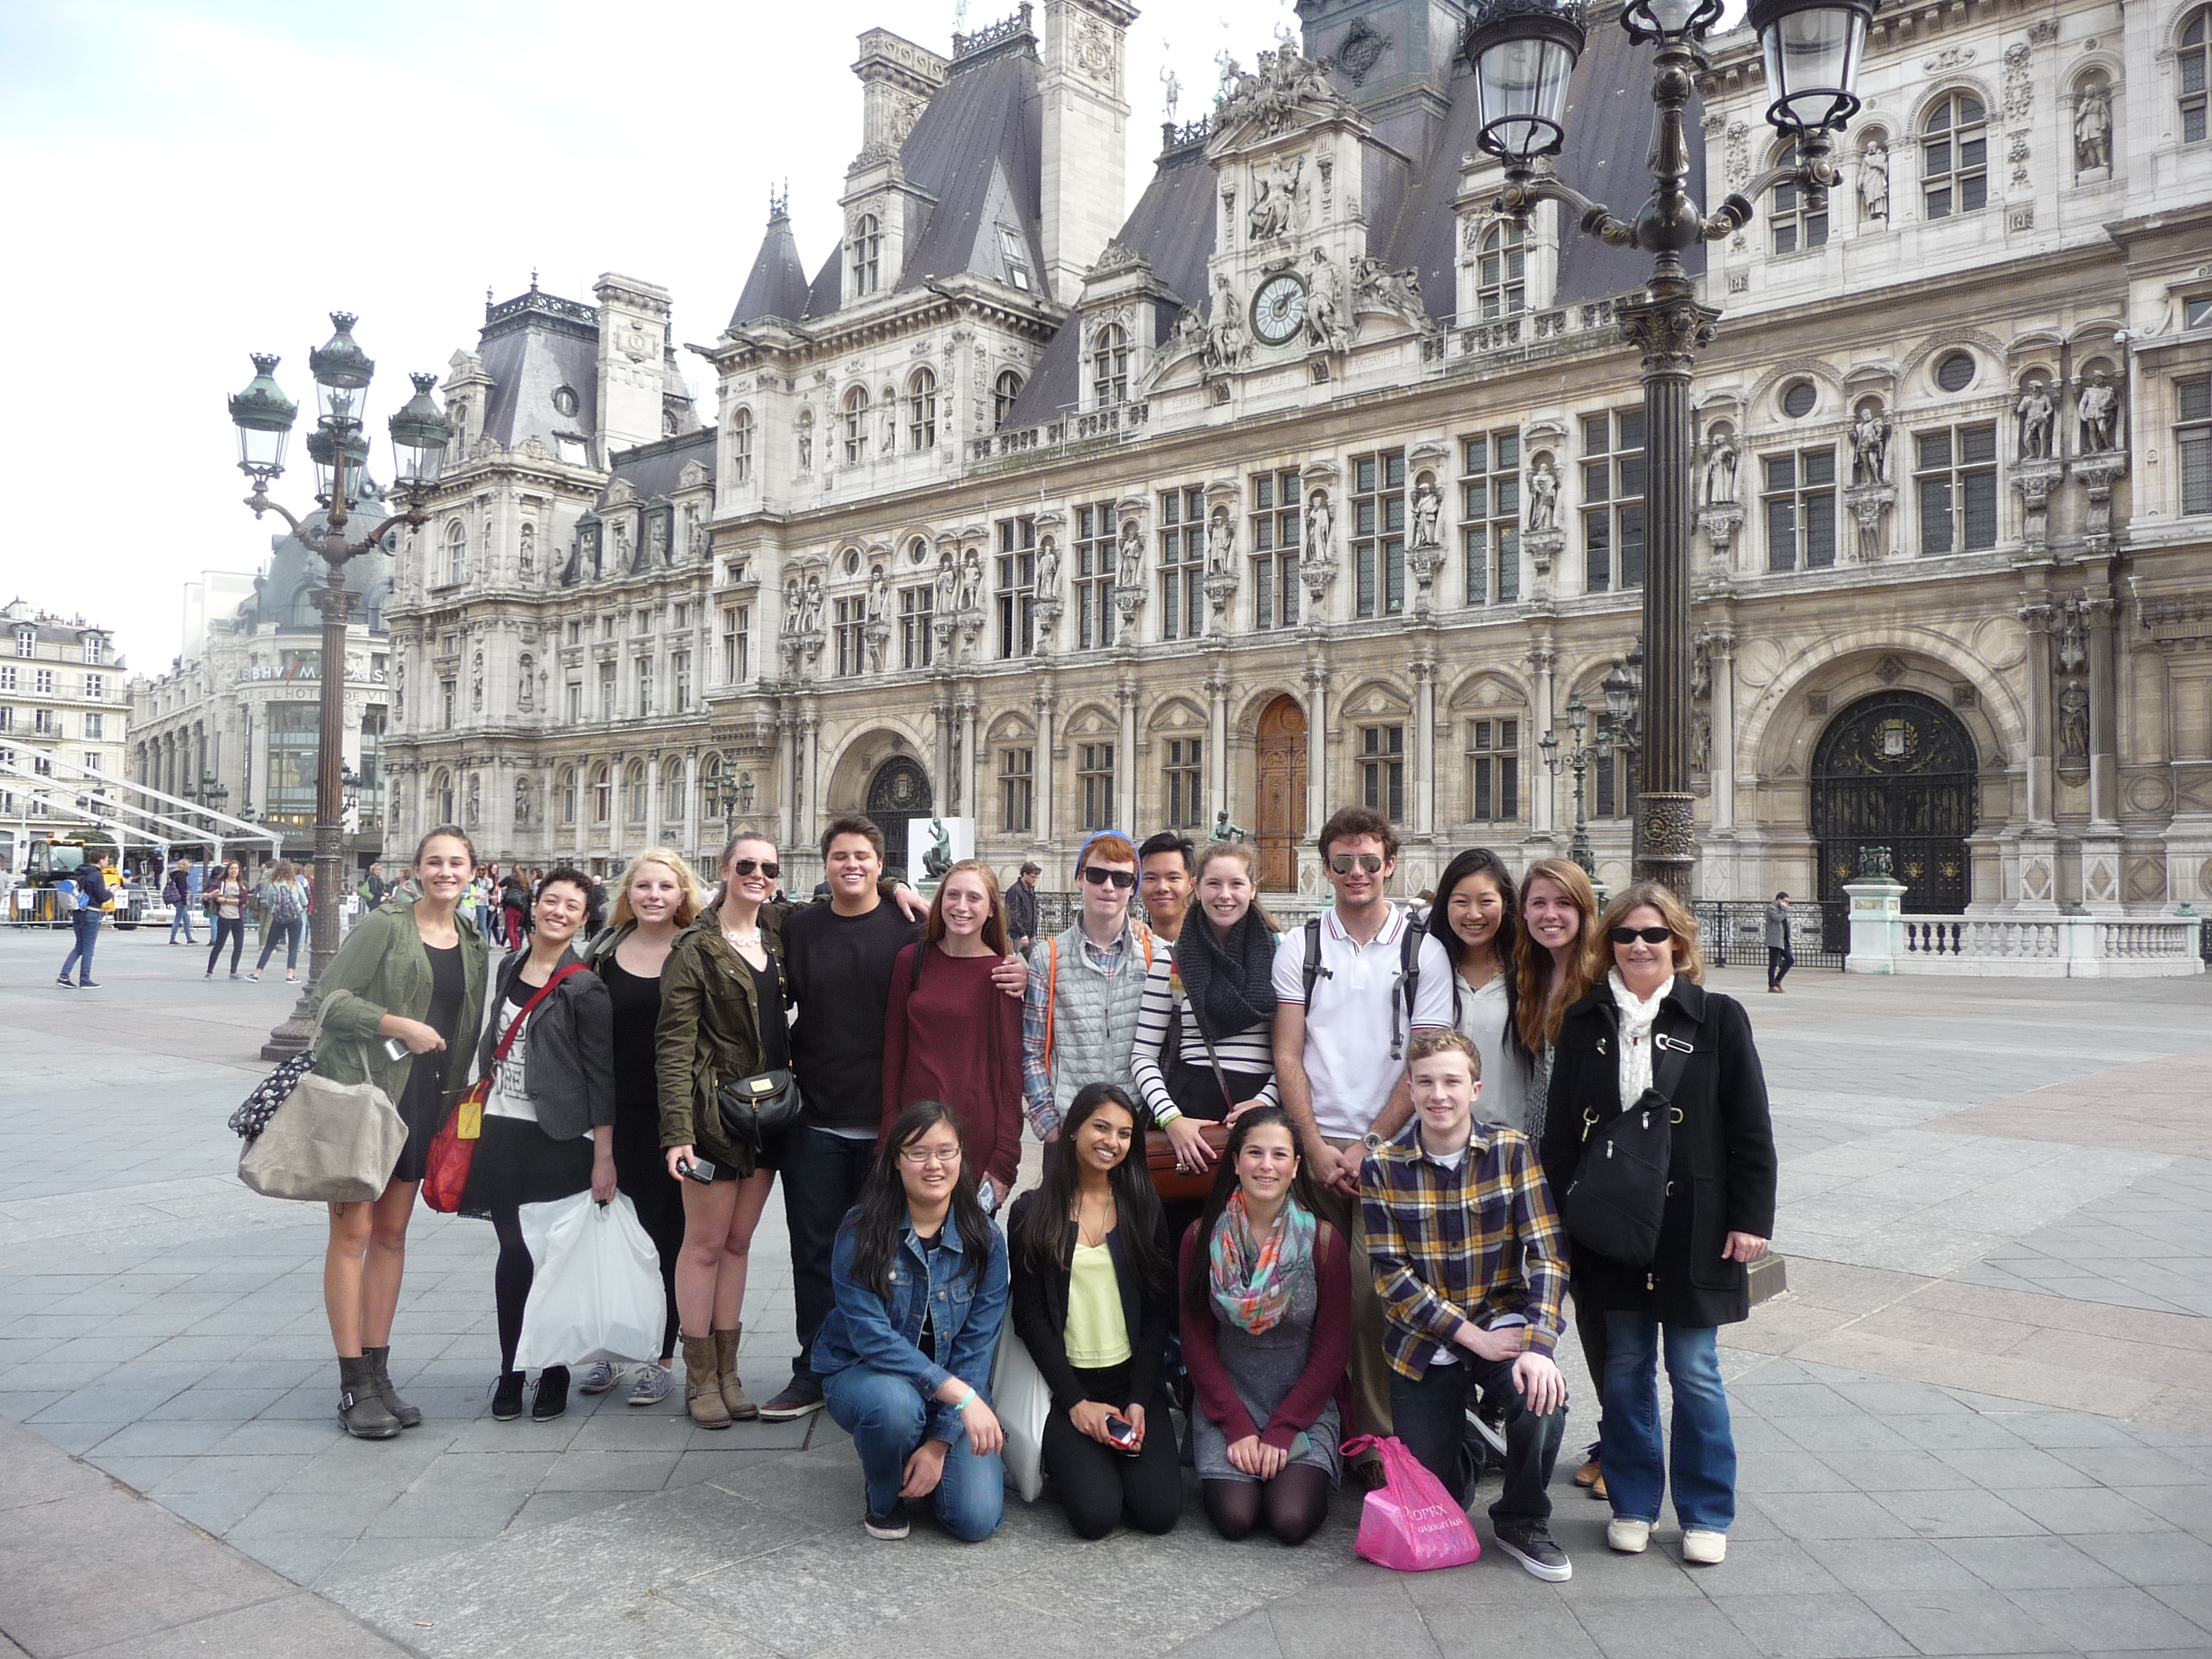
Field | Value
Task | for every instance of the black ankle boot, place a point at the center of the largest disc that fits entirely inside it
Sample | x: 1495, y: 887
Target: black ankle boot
x: 359, y: 1408
x: 552, y: 1394
x: 409, y: 1416
x: 507, y: 1397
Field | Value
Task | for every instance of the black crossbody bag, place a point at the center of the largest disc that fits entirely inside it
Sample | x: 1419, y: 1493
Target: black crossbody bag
x: 1618, y: 1196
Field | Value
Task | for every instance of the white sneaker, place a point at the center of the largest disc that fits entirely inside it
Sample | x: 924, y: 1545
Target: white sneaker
x: 1703, y: 1547
x: 651, y: 1385
x: 1630, y: 1537
x: 600, y: 1377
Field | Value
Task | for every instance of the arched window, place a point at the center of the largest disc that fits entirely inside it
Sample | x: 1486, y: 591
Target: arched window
x: 1954, y: 157
x: 633, y: 780
x: 672, y: 793
x: 2194, y: 67
x: 1109, y: 366
x: 856, y: 426
x: 921, y: 410
x: 1501, y: 279
x: 867, y: 252
x: 456, y: 565
x: 567, y: 794
x: 301, y: 613
x: 1796, y: 221
x: 740, y: 447
x: 602, y: 793
x: 1004, y: 391
x: 441, y: 797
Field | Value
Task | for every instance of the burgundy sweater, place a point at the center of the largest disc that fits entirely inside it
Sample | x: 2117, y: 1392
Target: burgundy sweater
x: 1323, y: 1376
x: 957, y: 1039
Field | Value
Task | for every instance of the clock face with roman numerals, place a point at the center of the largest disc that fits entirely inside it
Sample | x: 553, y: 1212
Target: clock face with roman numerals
x: 1278, y: 308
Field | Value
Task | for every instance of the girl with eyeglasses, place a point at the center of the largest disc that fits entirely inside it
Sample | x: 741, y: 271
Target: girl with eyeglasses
x: 904, y: 1355
x: 1653, y: 1025
x: 1086, y: 989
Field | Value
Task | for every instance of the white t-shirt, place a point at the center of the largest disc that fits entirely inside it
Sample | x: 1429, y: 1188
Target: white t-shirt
x: 1348, y: 1060
x: 510, y: 1097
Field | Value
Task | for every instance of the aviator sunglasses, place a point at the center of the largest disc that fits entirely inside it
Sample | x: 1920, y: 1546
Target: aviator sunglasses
x: 1342, y: 863
x: 767, y: 867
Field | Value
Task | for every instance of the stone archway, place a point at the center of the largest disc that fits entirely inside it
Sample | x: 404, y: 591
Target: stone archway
x: 898, y: 794
x: 1896, y: 770
x: 1282, y: 776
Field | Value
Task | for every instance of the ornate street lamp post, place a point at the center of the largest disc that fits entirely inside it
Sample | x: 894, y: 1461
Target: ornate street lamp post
x: 1523, y: 53
x: 338, y: 447
x: 1578, y: 757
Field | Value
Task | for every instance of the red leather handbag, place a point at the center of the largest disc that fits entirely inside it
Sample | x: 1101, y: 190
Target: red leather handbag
x: 453, y: 1149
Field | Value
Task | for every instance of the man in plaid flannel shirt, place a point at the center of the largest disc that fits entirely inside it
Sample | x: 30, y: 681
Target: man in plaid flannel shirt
x: 1468, y: 1261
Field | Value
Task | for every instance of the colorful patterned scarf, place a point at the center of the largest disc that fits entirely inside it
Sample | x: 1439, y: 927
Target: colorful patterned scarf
x: 1252, y: 1279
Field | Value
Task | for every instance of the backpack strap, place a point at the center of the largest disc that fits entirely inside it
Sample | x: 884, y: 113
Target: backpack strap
x: 914, y: 982
x: 1313, y: 956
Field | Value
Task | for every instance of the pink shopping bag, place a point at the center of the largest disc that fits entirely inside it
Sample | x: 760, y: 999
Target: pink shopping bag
x: 1409, y: 1524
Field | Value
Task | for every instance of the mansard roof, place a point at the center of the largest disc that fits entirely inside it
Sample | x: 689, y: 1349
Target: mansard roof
x: 531, y: 347
x: 654, y: 471
x: 778, y: 285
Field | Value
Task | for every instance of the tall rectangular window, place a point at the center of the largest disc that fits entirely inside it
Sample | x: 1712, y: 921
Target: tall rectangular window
x: 1954, y: 472
x: 1490, y: 518
x: 2193, y: 441
x: 1093, y: 576
x: 1017, y: 573
x: 737, y: 644
x: 1182, y: 562
x: 1094, y: 777
x: 851, y: 615
x: 605, y: 690
x: 294, y: 739
x: 1383, y: 771
x: 1277, y: 509
x: 917, y: 612
x: 645, y: 686
x: 448, y: 698
x: 1378, y: 549
x: 1799, y: 499
x: 1182, y: 783
x: 96, y: 687
x: 1017, y: 790
x: 1494, y: 770
x: 679, y: 680
x: 92, y: 723
x: 575, y: 702
x: 1612, y: 500
x: 1604, y: 774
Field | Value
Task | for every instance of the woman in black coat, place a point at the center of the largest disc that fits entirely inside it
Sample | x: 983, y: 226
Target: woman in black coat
x: 1718, y: 1213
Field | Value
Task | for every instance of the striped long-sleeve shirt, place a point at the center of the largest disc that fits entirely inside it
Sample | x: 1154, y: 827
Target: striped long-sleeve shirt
x: 1449, y: 1245
x: 1249, y: 1052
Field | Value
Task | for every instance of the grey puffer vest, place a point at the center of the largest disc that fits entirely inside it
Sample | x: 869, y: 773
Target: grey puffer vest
x: 1094, y: 1019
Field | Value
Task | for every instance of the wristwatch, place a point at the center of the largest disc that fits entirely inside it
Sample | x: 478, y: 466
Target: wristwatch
x: 1373, y: 1141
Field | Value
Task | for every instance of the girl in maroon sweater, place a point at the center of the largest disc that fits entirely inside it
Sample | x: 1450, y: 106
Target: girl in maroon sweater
x: 1267, y: 1329
x: 950, y: 1035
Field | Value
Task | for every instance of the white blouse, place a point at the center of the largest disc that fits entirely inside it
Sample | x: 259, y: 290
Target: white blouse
x: 1505, y: 1098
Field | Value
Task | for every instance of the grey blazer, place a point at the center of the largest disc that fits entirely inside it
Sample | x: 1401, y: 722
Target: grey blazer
x: 569, y: 1066
x: 1778, y: 927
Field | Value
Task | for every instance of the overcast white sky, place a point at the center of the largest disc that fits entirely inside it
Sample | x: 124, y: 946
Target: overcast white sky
x: 189, y: 182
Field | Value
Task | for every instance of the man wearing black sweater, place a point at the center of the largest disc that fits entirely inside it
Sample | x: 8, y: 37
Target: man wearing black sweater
x: 837, y: 962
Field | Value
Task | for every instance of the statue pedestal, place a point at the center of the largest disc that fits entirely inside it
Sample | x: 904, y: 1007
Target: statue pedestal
x: 1877, y: 912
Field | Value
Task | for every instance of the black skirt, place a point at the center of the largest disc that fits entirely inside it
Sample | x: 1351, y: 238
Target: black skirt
x: 421, y: 1108
x: 517, y: 1163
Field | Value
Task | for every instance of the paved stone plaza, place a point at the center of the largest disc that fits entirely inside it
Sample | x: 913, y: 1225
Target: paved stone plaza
x: 1980, y: 1421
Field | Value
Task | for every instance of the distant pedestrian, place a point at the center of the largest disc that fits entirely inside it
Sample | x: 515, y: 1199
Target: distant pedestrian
x: 1780, y: 959
x: 1021, y: 907
x: 93, y: 892
x: 374, y: 889
x: 286, y: 896
x: 226, y: 899
x: 195, y: 884
x: 178, y: 893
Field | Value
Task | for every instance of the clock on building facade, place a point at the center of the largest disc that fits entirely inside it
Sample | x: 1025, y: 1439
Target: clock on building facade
x: 1279, y: 310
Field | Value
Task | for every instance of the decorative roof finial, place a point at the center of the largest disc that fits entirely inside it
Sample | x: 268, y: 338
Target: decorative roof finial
x: 779, y: 201
x: 533, y: 279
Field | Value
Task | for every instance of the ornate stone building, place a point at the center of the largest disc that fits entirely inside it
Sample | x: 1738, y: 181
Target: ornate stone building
x: 1311, y: 481
x: 62, y: 698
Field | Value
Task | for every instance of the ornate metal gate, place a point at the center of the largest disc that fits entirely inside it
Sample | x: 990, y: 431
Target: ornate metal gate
x: 1896, y: 770
x: 897, y: 795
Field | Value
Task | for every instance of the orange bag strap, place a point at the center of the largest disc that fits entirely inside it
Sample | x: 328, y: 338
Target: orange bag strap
x: 1052, y: 989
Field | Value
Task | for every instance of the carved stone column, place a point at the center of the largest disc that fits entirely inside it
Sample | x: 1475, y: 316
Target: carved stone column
x: 1720, y: 652
x: 2101, y: 846
x: 1042, y: 817
x: 1125, y: 779
x: 653, y: 825
x: 787, y: 778
x: 1424, y: 757
x: 964, y: 774
x: 1543, y: 788
x: 2030, y: 854
x: 1317, y: 757
x: 809, y: 804
x: 1217, y: 767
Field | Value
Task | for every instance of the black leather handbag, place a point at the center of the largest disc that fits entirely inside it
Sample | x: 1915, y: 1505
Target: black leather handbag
x: 1617, y: 1199
x: 754, y: 1108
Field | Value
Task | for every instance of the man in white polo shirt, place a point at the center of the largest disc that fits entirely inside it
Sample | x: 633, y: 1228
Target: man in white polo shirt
x: 1352, y: 987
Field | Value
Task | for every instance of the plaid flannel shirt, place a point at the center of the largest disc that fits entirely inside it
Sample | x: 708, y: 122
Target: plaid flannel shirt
x: 1451, y: 1245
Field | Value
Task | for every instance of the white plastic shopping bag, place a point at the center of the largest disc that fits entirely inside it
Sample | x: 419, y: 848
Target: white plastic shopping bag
x: 597, y: 1294
x: 1021, y: 1402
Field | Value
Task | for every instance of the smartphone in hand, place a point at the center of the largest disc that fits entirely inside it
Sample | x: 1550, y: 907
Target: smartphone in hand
x: 1123, y: 1434
x: 696, y: 1169
x: 395, y: 1050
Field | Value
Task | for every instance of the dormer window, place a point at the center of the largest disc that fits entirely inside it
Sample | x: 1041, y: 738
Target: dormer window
x: 1501, y: 289
x: 868, y: 254
x: 1109, y: 366
x: 1016, y: 256
x: 1005, y: 391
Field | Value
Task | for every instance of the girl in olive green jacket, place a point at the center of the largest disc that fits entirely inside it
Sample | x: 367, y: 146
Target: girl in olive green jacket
x: 409, y: 976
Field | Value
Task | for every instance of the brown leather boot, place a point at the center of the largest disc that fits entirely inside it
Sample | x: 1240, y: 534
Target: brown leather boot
x: 741, y: 1408
x: 702, y: 1394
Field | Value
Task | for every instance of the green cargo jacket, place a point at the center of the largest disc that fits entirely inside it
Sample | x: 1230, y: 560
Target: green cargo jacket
x: 709, y: 1032
x: 382, y: 968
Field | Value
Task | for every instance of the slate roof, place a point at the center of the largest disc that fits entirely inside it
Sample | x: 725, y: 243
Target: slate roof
x: 531, y: 347
x: 652, y: 469
x: 778, y: 286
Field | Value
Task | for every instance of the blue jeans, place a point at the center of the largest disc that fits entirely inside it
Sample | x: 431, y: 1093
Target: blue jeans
x: 1702, y: 1455
x: 181, y: 915
x: 887, y: 1418
x: 288, y: 933
x: 85, y: 925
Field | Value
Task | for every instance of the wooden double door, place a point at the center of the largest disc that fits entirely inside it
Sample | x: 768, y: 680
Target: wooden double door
x: 1281, y: 769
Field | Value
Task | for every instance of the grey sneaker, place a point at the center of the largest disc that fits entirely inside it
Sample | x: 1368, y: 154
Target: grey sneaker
x: 600, y: 1377
x: 651, y: 1385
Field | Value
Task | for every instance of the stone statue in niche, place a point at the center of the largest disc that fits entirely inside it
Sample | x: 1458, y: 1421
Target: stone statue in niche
x: 1048, y: 569
x: 526, y: 553
x: 2037, y: 414
x: 1227, y: 345
x: 1274, y: 199
x: 1325, y: 324
x: 591, y: 552
x: 476, y: 682
x: 1870, y: 446
x: 1320, y: 529
x: 695, y: 536
x: 1221, y: 543
x: 1190, y: 333
x: 522, y: 802
x: 2093, y: 128
x: 1428, y: 506
x: 1543, y: 497
x: 2074, y: 723
x: 1129, y: 575
x: 475, y: 798
x: 971, y: 581
x: 2096, y: 406
x: 620, y: 529
x: 948, y: 583
x: 656, y: 540
x: 2073, y: 648
x: 794, y: 605
x: 806, y: 441
x: 1721, y: 463
x: 879, y: 594
x: 810, y: 615
x: 1874, y: 180
x: 525, y: 688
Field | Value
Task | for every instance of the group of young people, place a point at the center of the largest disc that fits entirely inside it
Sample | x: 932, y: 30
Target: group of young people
x: 1363, y: 1123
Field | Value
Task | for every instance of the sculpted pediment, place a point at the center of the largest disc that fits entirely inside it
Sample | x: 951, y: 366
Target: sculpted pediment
x: 1287, y: 95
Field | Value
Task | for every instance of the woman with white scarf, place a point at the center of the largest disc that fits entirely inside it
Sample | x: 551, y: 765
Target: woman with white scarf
x: 1719, y: 1212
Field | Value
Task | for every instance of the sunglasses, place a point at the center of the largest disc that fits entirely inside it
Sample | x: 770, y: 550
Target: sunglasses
x: 1122, y: 879
x: 767, y: 867
x: 1345, y: 863
x: 1630, y: 934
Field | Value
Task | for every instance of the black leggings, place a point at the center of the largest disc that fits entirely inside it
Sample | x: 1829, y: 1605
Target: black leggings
x: 641, y: 1171
x: 1292, y: 1505
x: 233, y: 927
x: 511, y: 1282
x: 1100, y: 1487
